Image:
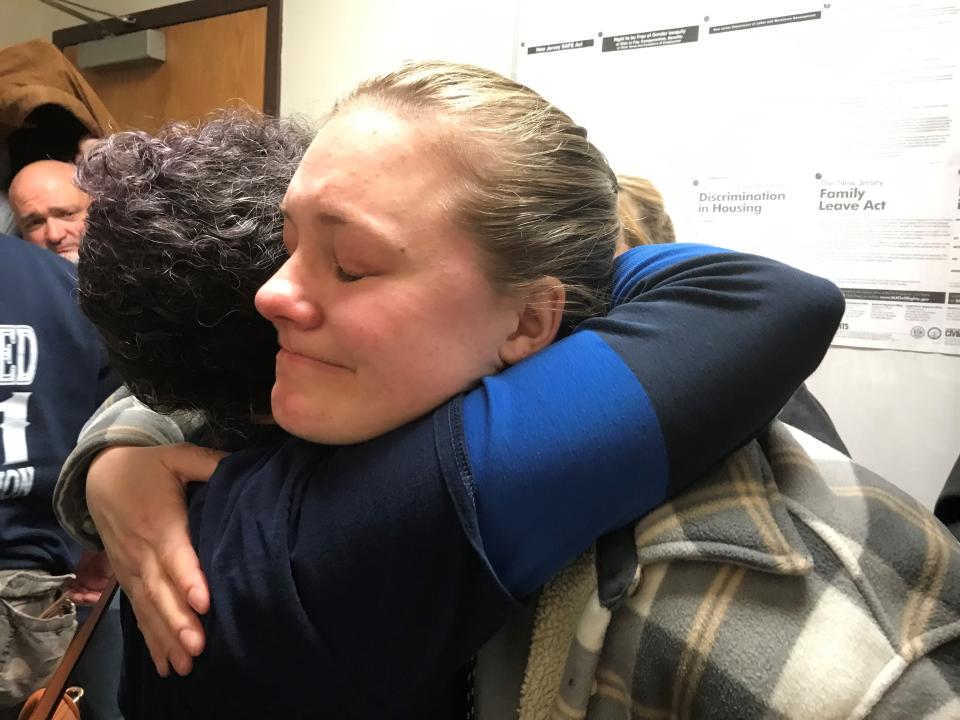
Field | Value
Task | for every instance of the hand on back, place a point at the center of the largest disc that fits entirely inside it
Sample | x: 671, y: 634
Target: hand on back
x: 93, y: 573
x: 136, y: 497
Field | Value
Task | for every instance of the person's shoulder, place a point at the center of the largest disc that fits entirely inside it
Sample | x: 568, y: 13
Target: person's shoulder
x: 23, y: 259
x: 866, y: 497
x: 883, y: 529
x: 39, y: 289
x: 38, y: 286
x: 271, y: 455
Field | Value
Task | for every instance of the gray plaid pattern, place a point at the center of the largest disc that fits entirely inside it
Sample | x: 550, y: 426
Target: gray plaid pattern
x: 789, y: 583
x: 121, y: 420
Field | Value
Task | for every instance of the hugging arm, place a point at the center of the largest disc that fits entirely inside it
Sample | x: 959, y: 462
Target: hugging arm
x: 154, y: 509
x: 394, y: 559
x: 701, y: 350
x: 121, y: 420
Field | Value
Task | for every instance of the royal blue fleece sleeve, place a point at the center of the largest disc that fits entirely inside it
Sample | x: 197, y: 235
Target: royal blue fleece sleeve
x: 701, y: 350
x: 369, y: 573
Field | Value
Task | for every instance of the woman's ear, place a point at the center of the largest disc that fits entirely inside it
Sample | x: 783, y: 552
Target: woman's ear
x: 538, y: 321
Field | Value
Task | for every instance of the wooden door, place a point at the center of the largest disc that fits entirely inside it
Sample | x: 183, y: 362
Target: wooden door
x: 211, y: 63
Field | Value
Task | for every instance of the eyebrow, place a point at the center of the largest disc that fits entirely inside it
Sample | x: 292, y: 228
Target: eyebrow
x: 332, y: 219
x: 29, y: 217
x: 326, y: 217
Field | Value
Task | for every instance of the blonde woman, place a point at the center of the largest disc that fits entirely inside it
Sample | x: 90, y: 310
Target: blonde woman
x: 642, y: 213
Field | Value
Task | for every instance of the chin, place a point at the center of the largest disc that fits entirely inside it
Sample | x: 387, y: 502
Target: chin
x: 303, y: 416
x: 291, y: 413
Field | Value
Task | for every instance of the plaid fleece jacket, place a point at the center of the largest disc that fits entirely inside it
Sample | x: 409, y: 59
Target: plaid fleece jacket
x: 789, y: 583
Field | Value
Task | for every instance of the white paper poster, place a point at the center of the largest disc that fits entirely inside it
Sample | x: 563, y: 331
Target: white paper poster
x: 822, y: 134
x: 887, y: 238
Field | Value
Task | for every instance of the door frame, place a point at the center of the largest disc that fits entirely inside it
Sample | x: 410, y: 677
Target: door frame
x: 188, y: 12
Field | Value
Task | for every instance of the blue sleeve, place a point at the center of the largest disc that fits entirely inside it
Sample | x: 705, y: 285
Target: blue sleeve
x: 375, y: 570
x: 701, y: 350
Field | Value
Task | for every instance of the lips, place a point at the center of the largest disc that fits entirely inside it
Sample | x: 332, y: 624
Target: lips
x: 285, y: 355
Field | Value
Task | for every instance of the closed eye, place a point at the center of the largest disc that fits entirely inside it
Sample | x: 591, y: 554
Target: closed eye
x: 344, y: 276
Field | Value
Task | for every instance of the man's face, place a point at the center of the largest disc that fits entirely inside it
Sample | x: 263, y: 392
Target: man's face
x: 48, y: 208
x: 383, y: 309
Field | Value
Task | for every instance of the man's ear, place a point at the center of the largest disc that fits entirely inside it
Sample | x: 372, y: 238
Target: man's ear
x: 538, y: 321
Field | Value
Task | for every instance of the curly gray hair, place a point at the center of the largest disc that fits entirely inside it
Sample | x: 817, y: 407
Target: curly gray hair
x: 183, y: 229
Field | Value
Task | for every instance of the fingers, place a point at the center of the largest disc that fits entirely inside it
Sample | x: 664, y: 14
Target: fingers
x: 136, y: 498
x: 159, y: 643
x: 181, y: 586
x: 180, y: 562
x: 93, y: 570
x: 79, y: 595
x: 170, y: 609
x: 149, y: 596
x: 90, y: 597
x: 199, y: 598
x: 97, y: 584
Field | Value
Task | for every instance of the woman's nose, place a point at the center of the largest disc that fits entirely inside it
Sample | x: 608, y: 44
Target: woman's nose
x: 285, y: 297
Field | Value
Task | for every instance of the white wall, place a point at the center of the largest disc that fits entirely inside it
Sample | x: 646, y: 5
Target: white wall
x: 328, y: 45
x: 898, y: 412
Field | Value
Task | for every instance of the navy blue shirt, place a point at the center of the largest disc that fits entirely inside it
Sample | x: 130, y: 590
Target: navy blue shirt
x: 53, y: 375
x: 354, y: 581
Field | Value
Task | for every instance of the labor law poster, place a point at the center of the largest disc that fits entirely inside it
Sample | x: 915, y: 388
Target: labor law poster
x: 822, y: 134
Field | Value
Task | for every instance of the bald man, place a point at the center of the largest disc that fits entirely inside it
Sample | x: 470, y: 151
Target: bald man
x: 50, y: 211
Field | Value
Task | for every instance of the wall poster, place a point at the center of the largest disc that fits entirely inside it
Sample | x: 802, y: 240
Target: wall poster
x: 822, y: 134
